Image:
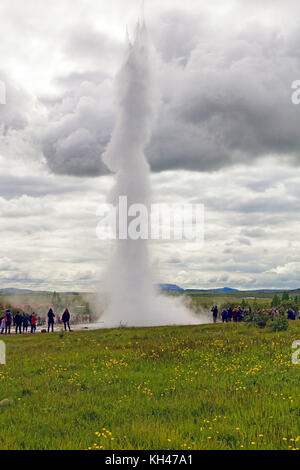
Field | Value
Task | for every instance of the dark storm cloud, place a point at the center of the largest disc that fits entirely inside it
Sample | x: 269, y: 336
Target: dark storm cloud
x: 79, y: 129
x: 232, y: 104
x: 81, y: 115
x: 226, y: 98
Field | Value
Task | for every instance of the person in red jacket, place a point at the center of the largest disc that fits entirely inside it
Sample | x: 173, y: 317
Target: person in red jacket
x: 235, y: 315
x: 33, y: 323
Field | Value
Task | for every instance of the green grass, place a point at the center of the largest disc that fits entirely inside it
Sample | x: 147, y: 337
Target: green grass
x: 201, y: 387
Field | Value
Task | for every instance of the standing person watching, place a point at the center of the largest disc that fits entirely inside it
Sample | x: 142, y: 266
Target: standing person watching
x: 33, y: 323
x: 25, y: 322
x: 51, y: 317
x: 18, y: 323
x: 224, y: 315
x: 3, y: 322
x: 66, y: 319
x: 235, y: 315
x: 8, y: 317
x: 215, y: 313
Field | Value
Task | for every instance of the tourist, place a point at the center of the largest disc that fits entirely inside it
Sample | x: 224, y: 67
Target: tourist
x: 25, y: 322
x: 235, y: 315
x: 229, y: 314
x: 290, y: 314
x: 224, y: 316
x: 240, y: 314
x: 33, y: 323
x: 51, y: 317
x: 215, y: 313
x: 66, y: 319
x: 3, y: 322
x: 8, y: 317
x: 18, y: 322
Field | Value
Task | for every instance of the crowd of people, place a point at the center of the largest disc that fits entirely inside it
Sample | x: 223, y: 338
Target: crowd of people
x: 230, y: 314
x: 22, y: 322
x: 239, y: 313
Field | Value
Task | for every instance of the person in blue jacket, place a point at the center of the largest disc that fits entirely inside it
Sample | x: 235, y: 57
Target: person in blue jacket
x: 18, y: 322
x: 25, y: 322
x: 224, y: 315
x: 8, y: 317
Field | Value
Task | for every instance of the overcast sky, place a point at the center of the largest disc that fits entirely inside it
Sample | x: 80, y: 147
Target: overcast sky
x: 227, y: 135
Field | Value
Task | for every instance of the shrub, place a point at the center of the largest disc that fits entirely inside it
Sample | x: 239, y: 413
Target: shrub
x: 260, y: 319
x: 275, y: 301
x: 248, y: 316
x: 280, y: 323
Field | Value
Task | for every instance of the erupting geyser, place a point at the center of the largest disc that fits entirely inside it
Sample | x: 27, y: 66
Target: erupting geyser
x: 133, y: 300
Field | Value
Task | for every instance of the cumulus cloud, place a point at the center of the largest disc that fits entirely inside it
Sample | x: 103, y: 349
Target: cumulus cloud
x: 225, y: 73
x: 226, y: 97
x: 78, y: 130
x: 48, y: 231
x: 176, y: 33
x: 225, y: 85
x: 231, y: 103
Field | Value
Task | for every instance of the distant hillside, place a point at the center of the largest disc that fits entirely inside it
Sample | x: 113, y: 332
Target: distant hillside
x: 174, y: 287
x: 170, y: 287
x: 220, y: 289
x: 13, y: 290
x: 229, y: 290
x: 163, y: 287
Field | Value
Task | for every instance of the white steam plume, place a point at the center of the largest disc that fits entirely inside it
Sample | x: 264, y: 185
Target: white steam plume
x: 133, y: 300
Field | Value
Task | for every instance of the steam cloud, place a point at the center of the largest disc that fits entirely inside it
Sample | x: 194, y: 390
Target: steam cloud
x: 133, y: 300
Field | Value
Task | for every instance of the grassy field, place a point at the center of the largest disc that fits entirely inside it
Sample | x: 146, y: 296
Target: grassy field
x: 229, y: 386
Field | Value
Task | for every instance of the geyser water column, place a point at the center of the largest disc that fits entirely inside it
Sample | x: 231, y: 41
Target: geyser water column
x: 133, y: 300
